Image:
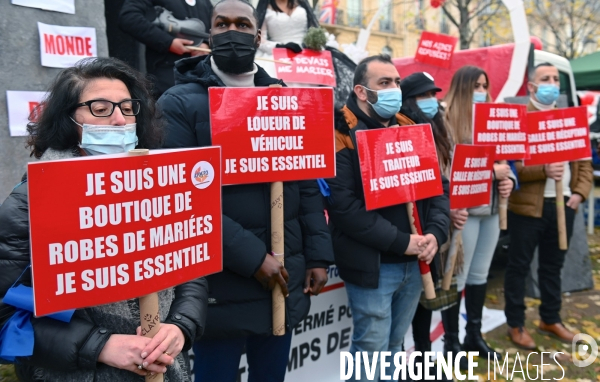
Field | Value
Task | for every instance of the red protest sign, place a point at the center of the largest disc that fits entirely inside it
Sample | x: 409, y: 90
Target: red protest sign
x: 398, y: 165
x: 435, y: 49
x: 502, y: 125
x: 273, y: 134
x: 308, y: 67
x: 558, y: 135
x: 114, y: 227
x: 471, y: 176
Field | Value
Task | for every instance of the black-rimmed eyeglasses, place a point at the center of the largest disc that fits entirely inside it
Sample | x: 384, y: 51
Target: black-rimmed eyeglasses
x: 104, y: 108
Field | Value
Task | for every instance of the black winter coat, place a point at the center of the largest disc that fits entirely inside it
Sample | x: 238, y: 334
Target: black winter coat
x: 238, y: 305
x: 69, y: 351
x: 136, y: 19
x: 360, y: 237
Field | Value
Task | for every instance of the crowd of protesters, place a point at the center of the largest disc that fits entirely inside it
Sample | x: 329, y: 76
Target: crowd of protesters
x: 374, y: 250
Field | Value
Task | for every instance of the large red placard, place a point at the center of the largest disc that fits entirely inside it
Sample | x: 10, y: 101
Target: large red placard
x: 307, y: 67
x: 501, y: 125
x: 435, y: 49
x: 471, y: 176
x: 273, y: 134
x: 398, y: 165
x: 558, y: 135
x: 114, y: 227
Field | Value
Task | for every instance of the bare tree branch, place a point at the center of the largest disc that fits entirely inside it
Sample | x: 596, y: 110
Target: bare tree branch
x: 449, y: 15
x: 570, y: 22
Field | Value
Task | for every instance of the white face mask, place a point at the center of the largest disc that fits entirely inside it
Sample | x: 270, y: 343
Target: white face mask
x: 107, y: 139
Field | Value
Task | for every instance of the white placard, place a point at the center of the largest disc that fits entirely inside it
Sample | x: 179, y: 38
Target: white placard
x: 20, y: 106
x: 318, y: 340
x: 64, y: 6
x: 62, y: 47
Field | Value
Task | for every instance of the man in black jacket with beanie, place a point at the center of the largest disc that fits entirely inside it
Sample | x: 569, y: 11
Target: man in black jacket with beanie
x: 239, y: 310
x: 375, y: 252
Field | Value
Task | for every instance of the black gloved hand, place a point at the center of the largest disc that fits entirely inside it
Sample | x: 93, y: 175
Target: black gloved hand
x: 291, y: 46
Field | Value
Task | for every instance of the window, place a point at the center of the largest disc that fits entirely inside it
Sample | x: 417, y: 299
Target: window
x: 354, y: 10
x: 419, y: 18
x: 444, y: 27
x: 385, y: 19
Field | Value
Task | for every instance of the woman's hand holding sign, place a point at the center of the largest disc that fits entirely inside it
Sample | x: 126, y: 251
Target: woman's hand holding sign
x: 164, y: 347
x: 123, y: 351
x: 502, y: 171
x: 505, y: 187
x: 459, y: 217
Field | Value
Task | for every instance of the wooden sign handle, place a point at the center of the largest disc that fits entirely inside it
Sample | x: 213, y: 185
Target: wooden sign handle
x: 149, y: 313
x: 415, y: 227
x: 451, y: 260
x: 277, y: 247
x: 560, y: 216
x: 256, y: 58
x: 503, y: 208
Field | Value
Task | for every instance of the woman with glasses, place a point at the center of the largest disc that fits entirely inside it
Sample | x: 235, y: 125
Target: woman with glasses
x: 100, y: 106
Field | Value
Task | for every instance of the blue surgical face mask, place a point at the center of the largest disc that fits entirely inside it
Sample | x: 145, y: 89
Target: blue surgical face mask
x: 547, y: 93
x: 429, y: 106
x: 389, y: 102
x: 107, y: 139
x: 479, y: 97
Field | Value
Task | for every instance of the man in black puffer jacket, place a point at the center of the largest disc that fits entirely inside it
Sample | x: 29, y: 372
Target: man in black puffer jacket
x: 240, y: 311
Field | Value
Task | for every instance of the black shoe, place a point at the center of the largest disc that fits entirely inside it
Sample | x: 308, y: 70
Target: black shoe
x: 451, y: 342
x: 474, y: 300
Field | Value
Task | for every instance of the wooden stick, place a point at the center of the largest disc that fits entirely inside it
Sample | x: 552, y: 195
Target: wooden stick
x: 560, y: 216
x: 451, y: 260
x: 198, y: 49
x: 415, y: 227
x: 149, y: 313
x: 502, y: 208
x: 277, y: 246
x: 278, y: 250
x: 257, y: 58
x: 150, y: 323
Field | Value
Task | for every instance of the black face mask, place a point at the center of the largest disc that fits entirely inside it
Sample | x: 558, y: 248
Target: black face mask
x: 234, y: 51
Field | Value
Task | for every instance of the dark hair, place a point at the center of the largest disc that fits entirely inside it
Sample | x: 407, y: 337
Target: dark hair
x: 254, y: 13
x: 459, y: 101
x: 360, y: 75
x: 53, y: 128
x: 311, y: 19
x: 443, y: 143
x: 535, y: 68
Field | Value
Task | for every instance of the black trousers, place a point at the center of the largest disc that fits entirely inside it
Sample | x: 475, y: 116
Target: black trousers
x: 525, y: 234
x: 421, y: 324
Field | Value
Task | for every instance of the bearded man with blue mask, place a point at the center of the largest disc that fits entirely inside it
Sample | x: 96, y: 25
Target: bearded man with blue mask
x: 532, y: 222
x: 375, y: 252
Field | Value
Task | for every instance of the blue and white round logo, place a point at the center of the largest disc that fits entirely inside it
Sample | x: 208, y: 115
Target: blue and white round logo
x: 203, y: 175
